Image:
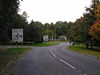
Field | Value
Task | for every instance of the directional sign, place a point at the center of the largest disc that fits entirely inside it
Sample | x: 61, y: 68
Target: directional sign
x: 17, y: 35
x: 45, y: 38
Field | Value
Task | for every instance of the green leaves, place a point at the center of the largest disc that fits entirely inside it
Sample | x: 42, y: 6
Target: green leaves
x: 33, y: 32
x: 8, y: 13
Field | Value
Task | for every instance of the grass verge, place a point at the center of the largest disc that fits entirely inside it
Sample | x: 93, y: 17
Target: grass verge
x: 82, y: 49
x: 44, y: 44
x: 35, y: 44
x: 59, y: 41
x: 9, y: 55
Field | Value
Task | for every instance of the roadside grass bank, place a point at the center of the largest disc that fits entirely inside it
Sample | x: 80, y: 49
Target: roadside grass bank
x: 82, y: 49
x: 8, y: 57
x: 44, y: 44
x: 33, y: 44
x: 59, y: 41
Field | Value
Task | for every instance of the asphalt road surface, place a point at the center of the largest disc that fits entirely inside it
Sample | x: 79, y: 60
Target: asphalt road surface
x: 56, y: 60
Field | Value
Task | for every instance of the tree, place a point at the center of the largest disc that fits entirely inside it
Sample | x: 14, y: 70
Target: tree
x: 8, y: 11
x: 33, y: 32
x: 97, y: 11
x: 79, y: 32
x: 95, y: 30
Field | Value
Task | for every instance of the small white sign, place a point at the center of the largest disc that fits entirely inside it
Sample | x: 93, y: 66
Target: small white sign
x: 45, y: 38
x: 17, y: 35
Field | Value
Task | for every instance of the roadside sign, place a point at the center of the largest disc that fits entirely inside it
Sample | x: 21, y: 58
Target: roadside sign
x: 17, y: 35
x: 45, y: 38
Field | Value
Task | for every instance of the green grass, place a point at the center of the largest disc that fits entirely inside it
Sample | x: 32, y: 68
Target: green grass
x: 60, y: 41
x: 82, y: 49
x: 43, y: 44
x: 36, y: 44
x: 10, y: 54
x: 40, y: 44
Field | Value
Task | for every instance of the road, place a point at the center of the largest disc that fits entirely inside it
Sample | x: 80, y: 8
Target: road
x: 56, y: 60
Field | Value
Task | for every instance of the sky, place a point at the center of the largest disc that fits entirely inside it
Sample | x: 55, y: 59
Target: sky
x: 48, y: 11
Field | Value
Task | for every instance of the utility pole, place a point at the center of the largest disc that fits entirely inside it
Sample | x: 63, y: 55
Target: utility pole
x: 47, y: 29
x: 47, y: 32
x: 55, y: 34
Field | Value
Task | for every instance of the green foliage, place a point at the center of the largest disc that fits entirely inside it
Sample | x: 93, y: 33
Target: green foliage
x: 79, y: 31
x: 97, y: 11
x: 3, y: 36
x: 56, y: 30
x: 82, y: 49
x: 8, y: 12
x: 33, y: 32
x: 95, y: 30
x: 44, y: 44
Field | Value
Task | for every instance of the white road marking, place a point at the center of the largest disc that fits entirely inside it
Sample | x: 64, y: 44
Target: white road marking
x: 53, y: 53
x: 85, y: 74
x: 67, y: 64
x: 62, y: 60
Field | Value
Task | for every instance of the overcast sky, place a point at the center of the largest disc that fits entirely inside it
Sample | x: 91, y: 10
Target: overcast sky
x: 47, y: 11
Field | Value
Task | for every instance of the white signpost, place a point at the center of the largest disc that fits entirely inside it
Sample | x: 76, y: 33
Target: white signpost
x: 45, y: 38
x: 17, y: 35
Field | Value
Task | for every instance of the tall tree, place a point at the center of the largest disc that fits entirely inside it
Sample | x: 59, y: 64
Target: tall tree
x: 95, y: 30
x: 8, y: 11
x: 79, y: 32
x: 97, y: 11
x: 33, y: 32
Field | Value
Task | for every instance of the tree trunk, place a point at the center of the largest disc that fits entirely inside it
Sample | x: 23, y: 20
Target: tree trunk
x: 87, y: 45
x: 91, y: 45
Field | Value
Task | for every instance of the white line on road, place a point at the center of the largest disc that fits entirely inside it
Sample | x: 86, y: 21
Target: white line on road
x: 53, y: 53
x: 85, y: 74
x: 62, y: 60
x: 67, y: 64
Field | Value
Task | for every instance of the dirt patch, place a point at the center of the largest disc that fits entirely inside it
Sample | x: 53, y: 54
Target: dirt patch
x: 2, y: 48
